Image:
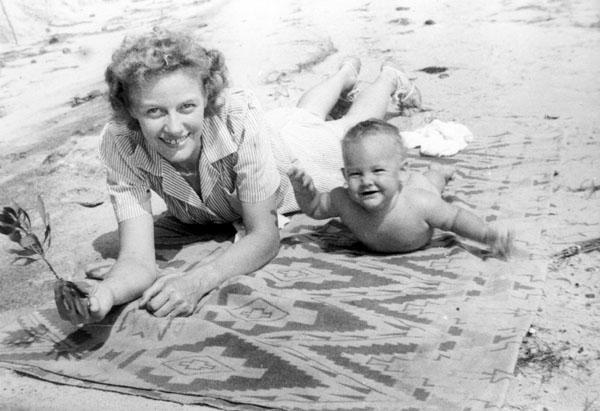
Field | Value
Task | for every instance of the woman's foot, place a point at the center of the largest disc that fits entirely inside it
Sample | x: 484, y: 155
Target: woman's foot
x: 350, y: 66
x: 350, y: 69
x: 407, y: 96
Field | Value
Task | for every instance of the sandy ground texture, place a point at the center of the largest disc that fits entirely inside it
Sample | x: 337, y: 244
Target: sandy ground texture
x: 531, y: 62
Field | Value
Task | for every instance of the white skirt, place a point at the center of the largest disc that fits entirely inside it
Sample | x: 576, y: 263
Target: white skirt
x: 312, y: 143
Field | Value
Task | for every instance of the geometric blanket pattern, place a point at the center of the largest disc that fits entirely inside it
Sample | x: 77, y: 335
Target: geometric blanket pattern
x: 328, y: 325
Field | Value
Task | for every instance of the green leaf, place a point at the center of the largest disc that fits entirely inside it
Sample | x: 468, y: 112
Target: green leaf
x: 24, y: 220
x: 42, y: 209
x: 27, y: 260
x: 22, y: 253
x: 9, y: 221
x: 15, y: 236
x: 31, y: 242
x: 45, y: 219
x: 47, y: 237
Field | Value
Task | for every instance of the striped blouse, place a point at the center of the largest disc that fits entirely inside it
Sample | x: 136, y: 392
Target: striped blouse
x: 242, y: 161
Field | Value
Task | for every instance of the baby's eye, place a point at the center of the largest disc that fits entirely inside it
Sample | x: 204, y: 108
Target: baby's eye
x: 380, y: 170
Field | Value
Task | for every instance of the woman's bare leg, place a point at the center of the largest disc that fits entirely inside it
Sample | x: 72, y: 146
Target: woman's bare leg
x: 321, y: 99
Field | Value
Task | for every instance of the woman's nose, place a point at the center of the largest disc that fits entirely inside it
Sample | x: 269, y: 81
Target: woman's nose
x: 174, y: 124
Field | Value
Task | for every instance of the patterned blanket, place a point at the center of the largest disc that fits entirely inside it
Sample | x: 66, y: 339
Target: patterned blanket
x: 328, y: 325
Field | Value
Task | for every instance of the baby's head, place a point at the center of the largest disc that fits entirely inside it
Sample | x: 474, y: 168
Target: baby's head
x: 374, y: 132
x: 374, y: 159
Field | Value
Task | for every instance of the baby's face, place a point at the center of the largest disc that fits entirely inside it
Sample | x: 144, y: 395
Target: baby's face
x: 372, y: 171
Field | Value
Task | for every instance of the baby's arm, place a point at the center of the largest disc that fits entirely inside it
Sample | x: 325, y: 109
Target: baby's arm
x: 497, y: 237
x: 312, y: 202
x: 463, y: 222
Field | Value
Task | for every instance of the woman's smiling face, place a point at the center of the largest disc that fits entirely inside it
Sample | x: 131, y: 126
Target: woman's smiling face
x: 170, y: 111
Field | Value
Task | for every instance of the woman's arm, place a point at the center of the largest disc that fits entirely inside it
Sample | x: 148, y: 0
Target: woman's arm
x: 179, y: 293
x: 130, y: 275
x: 259, y: 246
x: 134, y: 271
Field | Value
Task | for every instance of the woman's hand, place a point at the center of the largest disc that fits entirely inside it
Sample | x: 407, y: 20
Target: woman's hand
x: 173, y: 295
x: 78, y: 309
x: 178, y: 294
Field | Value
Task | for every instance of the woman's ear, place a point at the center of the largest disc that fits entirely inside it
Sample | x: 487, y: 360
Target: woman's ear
x: 132, y: 112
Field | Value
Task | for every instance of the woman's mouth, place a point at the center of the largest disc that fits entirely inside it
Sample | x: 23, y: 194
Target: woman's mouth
x: 174, y: 141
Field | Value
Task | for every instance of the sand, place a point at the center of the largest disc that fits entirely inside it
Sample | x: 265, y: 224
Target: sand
x: 534, y: 63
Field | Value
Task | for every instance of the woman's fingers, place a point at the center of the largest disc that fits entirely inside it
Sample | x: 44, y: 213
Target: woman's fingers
x: 72, y: 303
x: 168, y: 296
x: 153, y: 290
x: 62, y: 304
x: 163, y: 308
x: 94, y: 306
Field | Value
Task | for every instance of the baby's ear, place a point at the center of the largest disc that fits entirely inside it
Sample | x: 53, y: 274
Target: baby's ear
x: 404, y: 165
x: 343, y: 170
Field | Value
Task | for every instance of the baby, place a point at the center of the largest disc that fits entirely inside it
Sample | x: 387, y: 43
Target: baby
x: 385, y: 212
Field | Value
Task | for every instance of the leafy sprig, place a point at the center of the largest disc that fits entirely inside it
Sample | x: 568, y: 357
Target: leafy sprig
x: 16, y: 224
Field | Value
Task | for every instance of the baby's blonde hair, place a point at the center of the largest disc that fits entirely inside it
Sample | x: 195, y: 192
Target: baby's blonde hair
x: 375, y: 127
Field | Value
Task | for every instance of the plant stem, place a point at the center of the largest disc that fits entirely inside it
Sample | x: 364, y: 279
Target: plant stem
x: 50, y: 266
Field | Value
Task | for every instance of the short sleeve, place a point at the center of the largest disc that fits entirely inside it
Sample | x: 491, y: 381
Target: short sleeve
x: 129, y: 190
x: 257, y: 175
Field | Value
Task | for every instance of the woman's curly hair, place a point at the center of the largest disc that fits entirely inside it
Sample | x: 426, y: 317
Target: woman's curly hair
x: 140, y: 59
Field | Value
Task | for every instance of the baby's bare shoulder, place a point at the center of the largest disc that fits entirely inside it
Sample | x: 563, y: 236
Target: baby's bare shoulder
x: 423, y: 201
x: 419, y: 196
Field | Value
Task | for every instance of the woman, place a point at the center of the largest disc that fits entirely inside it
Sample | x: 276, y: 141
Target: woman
x: 205, y: 148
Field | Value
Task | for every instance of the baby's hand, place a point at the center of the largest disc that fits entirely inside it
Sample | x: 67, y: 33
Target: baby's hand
x: 500, y: 240
x: 306, y: 194
x: 302, y: 183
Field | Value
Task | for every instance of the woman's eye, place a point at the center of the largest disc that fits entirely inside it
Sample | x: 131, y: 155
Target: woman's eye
x: 188, y: 107
x: 153, y: 112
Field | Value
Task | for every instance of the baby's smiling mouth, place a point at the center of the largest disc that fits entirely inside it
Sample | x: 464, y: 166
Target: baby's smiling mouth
x: 367, y: 193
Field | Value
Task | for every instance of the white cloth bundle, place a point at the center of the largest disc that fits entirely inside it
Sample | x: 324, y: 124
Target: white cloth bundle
x: 438, y: 138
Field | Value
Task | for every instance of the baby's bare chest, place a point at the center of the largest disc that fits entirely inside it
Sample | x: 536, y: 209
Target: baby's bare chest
x: 397, y: 231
